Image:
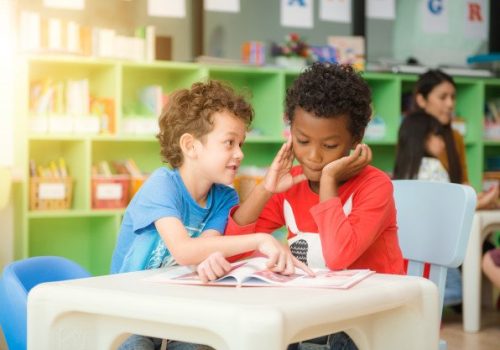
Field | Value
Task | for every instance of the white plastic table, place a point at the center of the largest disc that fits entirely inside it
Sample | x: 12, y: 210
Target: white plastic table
x: 485, y: 221
x: 381, y: 312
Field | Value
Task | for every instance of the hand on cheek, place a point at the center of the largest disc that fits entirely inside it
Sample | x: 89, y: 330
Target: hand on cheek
x: 344, y: 168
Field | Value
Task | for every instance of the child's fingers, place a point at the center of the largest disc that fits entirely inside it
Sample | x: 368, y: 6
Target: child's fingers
x: 279, y: 156
x: 201, y: 273
x: 290, y: 267
x: 209, y: 273
x: 272, y: 260
x: 369, y: 153
x: 218, y: 267
x: 281, y: 264
x: 298, y: 178
x: 299, y: 264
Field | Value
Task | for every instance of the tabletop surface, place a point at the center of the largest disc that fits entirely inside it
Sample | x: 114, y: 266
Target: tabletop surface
x: 376, y: 292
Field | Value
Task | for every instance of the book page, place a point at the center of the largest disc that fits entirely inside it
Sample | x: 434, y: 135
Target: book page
x: 332, y: 279
x: 254, y: 272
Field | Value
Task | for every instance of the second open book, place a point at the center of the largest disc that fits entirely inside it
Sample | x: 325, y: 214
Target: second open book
x: 253, y: 272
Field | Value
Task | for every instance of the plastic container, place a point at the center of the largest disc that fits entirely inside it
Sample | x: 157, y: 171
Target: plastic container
x: 110, y: 192
x: 50, y: 193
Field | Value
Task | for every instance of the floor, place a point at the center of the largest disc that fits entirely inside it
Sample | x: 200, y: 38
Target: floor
x: 487, y: 339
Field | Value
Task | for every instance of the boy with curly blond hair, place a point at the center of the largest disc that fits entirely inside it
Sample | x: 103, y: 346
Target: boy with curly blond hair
x: 179, y: 214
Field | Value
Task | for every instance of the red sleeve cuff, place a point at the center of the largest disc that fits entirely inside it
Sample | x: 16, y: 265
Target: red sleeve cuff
x: 233, y: 228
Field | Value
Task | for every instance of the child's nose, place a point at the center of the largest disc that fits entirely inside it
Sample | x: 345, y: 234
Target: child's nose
x: 238, y: 154
x: 315, y: 155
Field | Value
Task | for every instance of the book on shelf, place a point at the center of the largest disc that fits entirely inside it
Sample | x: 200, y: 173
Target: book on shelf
x: 254, y: 273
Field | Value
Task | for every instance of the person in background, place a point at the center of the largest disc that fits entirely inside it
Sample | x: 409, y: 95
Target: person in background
x: 339, y: 211
x: 491, y: 268
x: 178, y: 216
x: 420, y: 143
x: 435, y: 93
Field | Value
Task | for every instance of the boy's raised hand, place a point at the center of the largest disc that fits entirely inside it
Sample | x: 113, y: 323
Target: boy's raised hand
x: 213, y: 267
x: 278, y: 178
x: 346, y: 167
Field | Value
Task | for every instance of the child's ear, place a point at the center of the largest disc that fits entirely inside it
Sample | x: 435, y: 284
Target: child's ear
x: 187, y: 144
x: 420, y: 100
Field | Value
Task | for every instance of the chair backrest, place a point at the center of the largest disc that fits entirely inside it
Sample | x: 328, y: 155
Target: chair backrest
x: 18, y: 278
x: 434, y: 223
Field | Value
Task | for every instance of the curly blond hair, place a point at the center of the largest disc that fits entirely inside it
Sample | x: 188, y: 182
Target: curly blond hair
x: 191, y: 111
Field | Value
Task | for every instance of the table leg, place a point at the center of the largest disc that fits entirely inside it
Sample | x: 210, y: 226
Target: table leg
x: 471, y: 279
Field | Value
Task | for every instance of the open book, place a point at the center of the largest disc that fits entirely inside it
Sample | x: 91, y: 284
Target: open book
x: 253, y: 272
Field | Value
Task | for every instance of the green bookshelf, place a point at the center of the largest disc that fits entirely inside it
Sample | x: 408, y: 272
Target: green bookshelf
x: 88, y: 235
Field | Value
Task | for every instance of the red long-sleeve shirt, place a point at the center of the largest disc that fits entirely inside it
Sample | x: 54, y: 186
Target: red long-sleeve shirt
x: 357, y: 229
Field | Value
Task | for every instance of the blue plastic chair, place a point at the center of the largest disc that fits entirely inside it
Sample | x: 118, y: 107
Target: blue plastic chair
x: 17, y: 280
x: 434, y: 223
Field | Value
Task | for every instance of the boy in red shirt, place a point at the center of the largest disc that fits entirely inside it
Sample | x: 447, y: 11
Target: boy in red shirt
x: 338, y: 210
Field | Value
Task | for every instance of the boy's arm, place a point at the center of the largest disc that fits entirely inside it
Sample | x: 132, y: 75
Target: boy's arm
x: 345, y: 238
x: 278, y: 179
x: 210, y: 233
x: 192, y: 251
x: 249, y: 211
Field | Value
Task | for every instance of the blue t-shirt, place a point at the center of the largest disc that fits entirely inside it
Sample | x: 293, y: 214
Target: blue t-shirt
x: 164, y: 194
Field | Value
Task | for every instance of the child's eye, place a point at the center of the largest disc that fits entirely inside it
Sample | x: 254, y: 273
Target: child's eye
x: 229, y: 143
x: 302, y: 142
x: 330, y: 146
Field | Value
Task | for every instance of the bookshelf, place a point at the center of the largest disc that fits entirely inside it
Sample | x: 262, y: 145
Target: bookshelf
x: 88, y: 235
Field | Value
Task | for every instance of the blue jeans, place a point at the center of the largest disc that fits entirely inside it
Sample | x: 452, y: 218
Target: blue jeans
x: 336, y: 341
x: 453, y: 287
x: 140, y: 342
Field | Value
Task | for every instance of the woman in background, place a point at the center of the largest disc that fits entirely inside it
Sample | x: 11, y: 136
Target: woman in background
x: 420, y: 143
x: 435, y: 93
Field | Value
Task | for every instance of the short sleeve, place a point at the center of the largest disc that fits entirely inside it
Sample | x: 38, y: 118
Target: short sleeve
x: 224, y: 199
x: 158, y: 197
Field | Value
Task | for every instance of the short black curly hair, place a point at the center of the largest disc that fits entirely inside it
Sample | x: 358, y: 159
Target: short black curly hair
x: 329, y: 91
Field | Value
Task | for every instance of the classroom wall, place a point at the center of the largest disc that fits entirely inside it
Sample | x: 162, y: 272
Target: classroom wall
x: 434, y: 49
x: 260, y: 20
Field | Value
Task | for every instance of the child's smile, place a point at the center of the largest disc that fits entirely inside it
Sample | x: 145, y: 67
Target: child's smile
x: 220, y: 155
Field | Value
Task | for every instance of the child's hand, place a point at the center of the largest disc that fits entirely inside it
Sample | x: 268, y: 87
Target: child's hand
x: 343, y: 169
x: 278, y: 178
x: 213, y: 267
x: 488, y: 199
x: 281, y: 259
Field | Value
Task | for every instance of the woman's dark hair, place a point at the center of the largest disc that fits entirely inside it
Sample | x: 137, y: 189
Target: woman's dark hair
x: 427, y: 82
x: 413, y: 134
x: 330, y: 91
x: 424, y: 86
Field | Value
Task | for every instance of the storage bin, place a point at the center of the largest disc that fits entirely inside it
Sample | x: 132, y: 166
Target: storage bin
x: 136, y: 183
x: 110, y: 192
x: 50, y: 193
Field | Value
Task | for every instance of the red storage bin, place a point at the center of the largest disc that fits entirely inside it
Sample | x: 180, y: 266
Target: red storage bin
x: 110, y: 192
